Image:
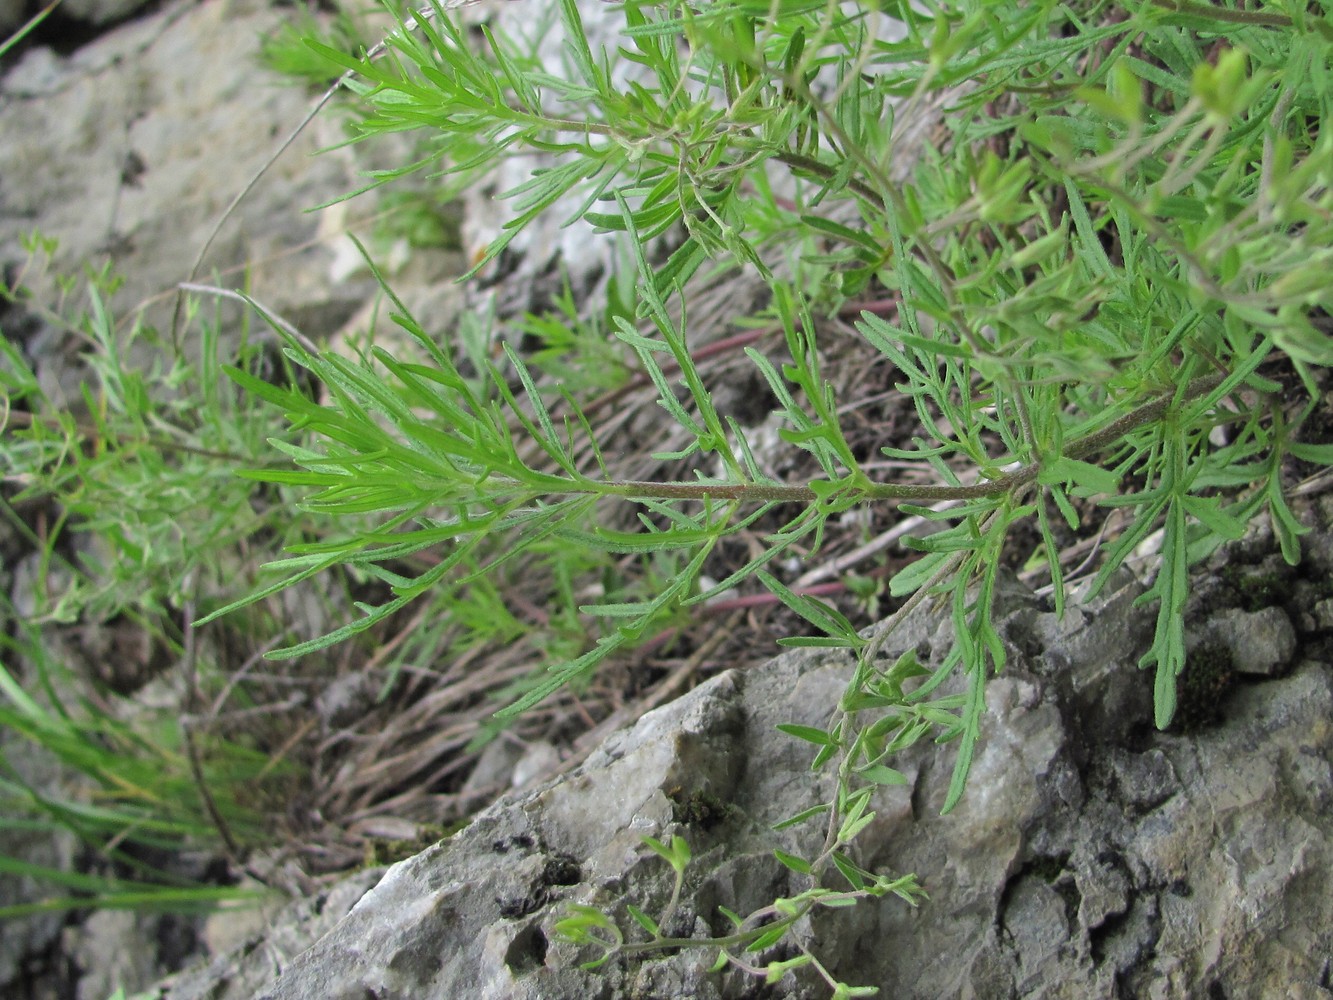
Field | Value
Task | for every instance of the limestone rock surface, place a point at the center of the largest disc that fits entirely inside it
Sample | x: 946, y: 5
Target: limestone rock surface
x: 1091, y: 856
x: 128, y: 150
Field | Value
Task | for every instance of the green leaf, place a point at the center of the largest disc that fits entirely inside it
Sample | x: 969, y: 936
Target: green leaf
x: 914, y: 575
x: 769, y: 937
x: 735, y: 918
x: 774, y: 971
x: 816, y: 612
x: 1089, y: 478
x: 1285, y: 525
x: 677, y: 855
x: 972, y: 712
x: 802, y: 816
x: 823, y: 756
x: 812, y: 642
x: 1170, y: 590
x: 808, y: 733
x: 642, y: 919
x: 1319, y: 454
x: 799, y: 865
x: 1208, y: 511
x: 882, y: 775
x: 853, y: 825
x: 852, y: 872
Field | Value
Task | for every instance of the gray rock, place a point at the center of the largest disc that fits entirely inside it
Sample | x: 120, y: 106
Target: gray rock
x: 42, y: 848
x: 239, y: 974
x: 1080, y: 863
x: 11, y: 17
x: 1092, y: 657
x: 1323, y: 614
x: 1142, y: 781
x: 101, y: 11
x: 116, y: 949
x: 1317, y: 548
x: 128, y: 150
x: 1260, y: 643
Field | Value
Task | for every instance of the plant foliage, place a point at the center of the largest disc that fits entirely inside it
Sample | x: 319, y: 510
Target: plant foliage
x: 126, y: 495
x: 1124, y: 216
x: 1117, y: 228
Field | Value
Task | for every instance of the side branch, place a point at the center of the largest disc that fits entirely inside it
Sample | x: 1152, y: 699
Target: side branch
x: 780, y: 493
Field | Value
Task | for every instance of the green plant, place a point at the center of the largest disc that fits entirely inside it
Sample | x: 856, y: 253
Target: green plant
x: 27, y: 28
x: 125, y: 519
x: 286, y: 52
x: 753, y: 933
x: 1127, y: 218
x: 1115, y: 245
x: 126, y: 502
x: 141, y: 463
x: 1120, y: 239
x: 140, y: 800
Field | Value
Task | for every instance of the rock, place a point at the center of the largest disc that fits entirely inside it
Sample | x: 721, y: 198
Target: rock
x: 239, y: 974
x: 1142, y: 781
x: 1092, y: 656
x: 11, y: 17
x: 119, y: 949
x: 1317, y: 548
x: 506, y: 765
x: 41, y: 848
x: 128, y: 150
x: 1087, y: 859
x: 100, y: 12
x: 1260, y: 643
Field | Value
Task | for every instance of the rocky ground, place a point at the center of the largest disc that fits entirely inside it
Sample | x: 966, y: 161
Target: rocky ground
x: 1092, y: 857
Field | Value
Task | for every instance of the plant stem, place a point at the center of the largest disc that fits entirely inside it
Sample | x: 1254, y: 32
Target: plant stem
x: 784, y: 493
x: 1224, y: 14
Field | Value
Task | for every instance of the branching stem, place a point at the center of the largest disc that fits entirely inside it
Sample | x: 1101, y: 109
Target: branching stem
x: 784, y: 493
x: 1214, y: 13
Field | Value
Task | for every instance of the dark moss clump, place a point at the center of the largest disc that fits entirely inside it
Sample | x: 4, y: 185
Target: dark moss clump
x: 1256, y: 589
x: 384, y: 851
x: 1048, y: 867
x: 1208, y: 677
x: 700, y: 809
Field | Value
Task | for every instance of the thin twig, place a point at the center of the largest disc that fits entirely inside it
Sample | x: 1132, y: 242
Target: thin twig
x: 189, y: 662
x: 789, y: 493
x: 374, y: 52
x: 1212, y: 13
x: 268, y: 314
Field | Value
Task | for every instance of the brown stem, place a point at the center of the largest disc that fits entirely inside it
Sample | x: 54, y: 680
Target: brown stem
x: 1225, y: 14
x: 812, y: 166
x: 784, y: 493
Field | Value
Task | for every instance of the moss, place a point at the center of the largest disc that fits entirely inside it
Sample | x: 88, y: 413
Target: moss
x: 1257, y: 589
x: 1048, y: 867
x: 701, y: 809
x: 1208, y: 677
x: 386, y: 851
